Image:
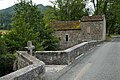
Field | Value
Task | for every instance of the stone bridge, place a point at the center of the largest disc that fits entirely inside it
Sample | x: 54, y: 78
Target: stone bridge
x: 72, y: 63
x: 30, y: 68
x: 87, y: 61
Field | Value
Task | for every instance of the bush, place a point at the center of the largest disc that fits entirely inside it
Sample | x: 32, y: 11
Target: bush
x: 6, y: 63
x: 6, y: 59
x: 3, y: 48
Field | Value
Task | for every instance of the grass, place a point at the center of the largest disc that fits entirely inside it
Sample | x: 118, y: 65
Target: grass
x: 115, y: 35
x: 108, y: 38
x: 3, y: 31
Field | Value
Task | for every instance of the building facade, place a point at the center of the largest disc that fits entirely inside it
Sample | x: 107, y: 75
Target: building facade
x: 88, y: 28
x: 93, y: 28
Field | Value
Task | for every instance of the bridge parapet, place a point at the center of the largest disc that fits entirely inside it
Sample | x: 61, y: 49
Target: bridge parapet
x: 29, y: 68
x: 67, y: 56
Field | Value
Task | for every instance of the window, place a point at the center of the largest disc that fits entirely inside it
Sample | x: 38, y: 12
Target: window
x: 66, y: 37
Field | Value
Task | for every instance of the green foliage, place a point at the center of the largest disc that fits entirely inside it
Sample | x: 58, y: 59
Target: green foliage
x: 6, y: 63
x: 6, y: 59
x: 26, y: 18
x: 111, y: 9
x: 6, y: 15
x: 3, y: 47
x: 5, y: 20
x: 17, y: 41
x: 29, y: 26
x: 50, y: 41
x: 50, y: 15
x: 69, y: 9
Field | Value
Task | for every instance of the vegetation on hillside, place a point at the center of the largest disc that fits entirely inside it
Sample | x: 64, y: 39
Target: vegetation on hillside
x: 6, y: 16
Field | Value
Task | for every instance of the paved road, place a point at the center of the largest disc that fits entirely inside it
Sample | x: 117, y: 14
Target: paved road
x: 115, y: 38
x: 102, y: 63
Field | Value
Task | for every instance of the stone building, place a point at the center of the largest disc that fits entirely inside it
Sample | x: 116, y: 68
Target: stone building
x: 68, y: 32
x: 93, y: 28
x: 88, y: 28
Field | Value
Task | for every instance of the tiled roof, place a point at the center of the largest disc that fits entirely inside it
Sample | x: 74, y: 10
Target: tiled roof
x: 66, y: 25
x: 92, y: 18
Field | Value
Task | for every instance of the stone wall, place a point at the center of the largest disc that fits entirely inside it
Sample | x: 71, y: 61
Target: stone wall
x: 74, y: 37
x: 93, y: 28
x: 89, y: 28
x: 53, y: 57
x: 29, y: 67
x: 64, y: 57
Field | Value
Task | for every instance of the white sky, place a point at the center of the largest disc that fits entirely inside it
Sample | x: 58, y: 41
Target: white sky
x: 7, y: 3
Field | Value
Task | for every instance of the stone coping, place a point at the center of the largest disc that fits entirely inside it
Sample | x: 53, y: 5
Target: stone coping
x: 55, y: 68
x: 71, y: 48
x: 24, y: 72
x: 66, y: 50
x: 92, y: 18
x: 67, y: 56
x: 30, y: 58
x: 76, y: 46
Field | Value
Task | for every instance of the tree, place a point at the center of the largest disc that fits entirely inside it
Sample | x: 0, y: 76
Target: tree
x: 50, y: 15
x: 73, y: 10
x: 28, y: 25
x: 69, y: 9
x: 3, y: 47
x: 5, y: 20
x: 110, y: 8
x: 50, y: 42
x: 25, y: 18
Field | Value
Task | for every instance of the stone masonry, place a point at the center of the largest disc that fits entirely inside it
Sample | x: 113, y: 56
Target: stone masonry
x: 68, y: 32
x: 29, y: 68
x: 88, y: 28
x: 74, y: 37
x: 71, y: 34
x: 65, y: 57
x: 93, y: 28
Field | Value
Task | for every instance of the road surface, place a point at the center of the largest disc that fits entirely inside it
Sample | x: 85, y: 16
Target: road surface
x: 103, y: 63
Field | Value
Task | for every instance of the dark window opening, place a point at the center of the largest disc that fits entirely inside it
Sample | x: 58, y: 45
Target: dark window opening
x: 66, y: 37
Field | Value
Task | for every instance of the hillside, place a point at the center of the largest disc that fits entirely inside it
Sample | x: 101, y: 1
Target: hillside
x: 11, y: 9
x: 8, y: 10
x: 6, y: 15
